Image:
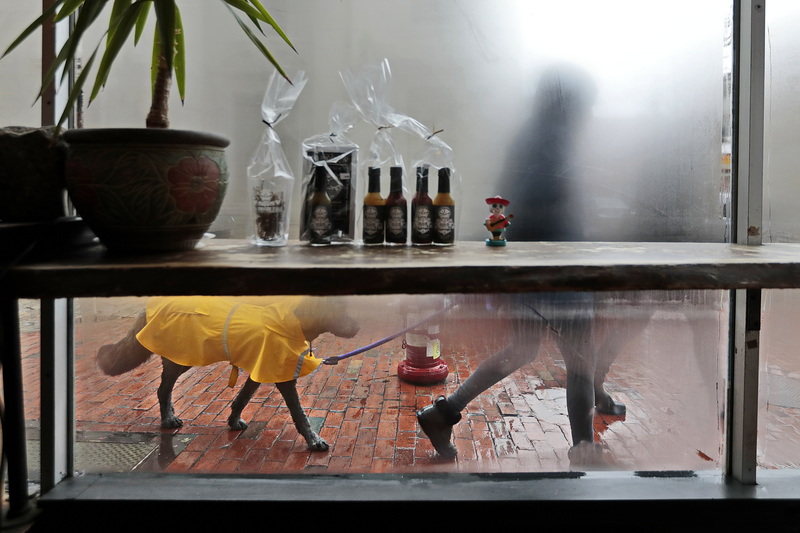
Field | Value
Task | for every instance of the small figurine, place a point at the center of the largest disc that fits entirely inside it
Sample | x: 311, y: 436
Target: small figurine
x: 497, y: 221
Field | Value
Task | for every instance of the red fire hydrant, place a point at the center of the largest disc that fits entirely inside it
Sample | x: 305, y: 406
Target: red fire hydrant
x: 423, y: 364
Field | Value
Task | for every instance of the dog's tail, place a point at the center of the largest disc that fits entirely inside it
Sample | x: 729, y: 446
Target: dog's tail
x: 125, y: 355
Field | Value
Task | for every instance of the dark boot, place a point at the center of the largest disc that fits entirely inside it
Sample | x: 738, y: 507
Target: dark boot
x: 437, y: 421
x: 609, y: 406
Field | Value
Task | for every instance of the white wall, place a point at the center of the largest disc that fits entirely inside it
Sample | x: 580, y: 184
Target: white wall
x: 20, y: 72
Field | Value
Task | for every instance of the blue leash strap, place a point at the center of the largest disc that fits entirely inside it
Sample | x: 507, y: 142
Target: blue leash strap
x: 333, y: 360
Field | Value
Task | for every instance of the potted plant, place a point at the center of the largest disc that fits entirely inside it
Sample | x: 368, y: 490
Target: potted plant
x: 153, y: 188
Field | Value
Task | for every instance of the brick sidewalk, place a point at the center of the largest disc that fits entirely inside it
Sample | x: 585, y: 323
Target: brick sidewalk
x: 367, y: 413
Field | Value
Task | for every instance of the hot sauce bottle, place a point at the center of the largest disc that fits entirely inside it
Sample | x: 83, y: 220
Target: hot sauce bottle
x: 320, y: 221
x: 421, y: 211
x: 374, y: 209
x: 444, y: 211
x: 396, y: 209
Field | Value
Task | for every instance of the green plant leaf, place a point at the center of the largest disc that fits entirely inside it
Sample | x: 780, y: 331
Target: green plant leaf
x: 155, y: 59
x: 86, y: 17
x: 75, y: 92
x: 180, y: 55
x: 272, y: 22
x: 116, y: 12
x: 165, y: 23
x: 131, y: 16
x: 124, y: 24
x: 70, y: 6
x: 246, y: 8
x: 35, y: 25
x: 142, y: 22
x: 259, y: 44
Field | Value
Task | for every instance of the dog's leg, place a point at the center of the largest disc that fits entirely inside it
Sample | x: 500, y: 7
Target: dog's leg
x: 170, y: 372
x: 240, y: 402
x: 288, y: 390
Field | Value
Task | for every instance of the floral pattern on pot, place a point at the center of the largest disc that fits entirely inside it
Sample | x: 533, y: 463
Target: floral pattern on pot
x: 147, y: 185
x: 195, y: 184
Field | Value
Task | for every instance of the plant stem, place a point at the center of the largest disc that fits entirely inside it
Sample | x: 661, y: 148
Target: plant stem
x: 159, y: 108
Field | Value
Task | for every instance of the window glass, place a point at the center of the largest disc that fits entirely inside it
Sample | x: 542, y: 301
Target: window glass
x: 779, y: 386
x: 633, y: 153
x: 780, y: 188
x: 664, y: 353
x: 636, y: 155
x: 30, y: 348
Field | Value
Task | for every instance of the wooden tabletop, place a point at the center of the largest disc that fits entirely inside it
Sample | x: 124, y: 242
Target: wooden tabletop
x: 236, y: 267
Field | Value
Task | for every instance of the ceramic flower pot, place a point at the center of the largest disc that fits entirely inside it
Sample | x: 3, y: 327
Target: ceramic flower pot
x: 146, y: 190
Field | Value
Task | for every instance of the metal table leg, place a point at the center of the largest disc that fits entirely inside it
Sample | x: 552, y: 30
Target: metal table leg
x: 14, y: 415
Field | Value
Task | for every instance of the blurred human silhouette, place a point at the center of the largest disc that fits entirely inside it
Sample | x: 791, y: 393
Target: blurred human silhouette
x: 541, y: 174
x: 540, y: 177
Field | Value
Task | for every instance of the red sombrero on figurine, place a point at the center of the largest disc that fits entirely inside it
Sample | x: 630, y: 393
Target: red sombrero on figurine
x: 497, y: 200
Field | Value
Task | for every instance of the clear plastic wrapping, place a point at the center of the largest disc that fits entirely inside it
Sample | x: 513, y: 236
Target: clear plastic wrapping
x: 340, y: 155
x: 269, y: 176
x: 444, y: 188
x: 369, y: 88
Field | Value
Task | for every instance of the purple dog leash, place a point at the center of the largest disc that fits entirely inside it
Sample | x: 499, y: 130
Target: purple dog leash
x: 333, y: 360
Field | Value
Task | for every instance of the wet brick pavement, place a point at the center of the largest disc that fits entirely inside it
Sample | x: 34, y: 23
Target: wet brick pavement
x: 367, y: 413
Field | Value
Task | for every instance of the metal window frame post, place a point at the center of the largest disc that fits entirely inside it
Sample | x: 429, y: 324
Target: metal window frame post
x: 748, y: 162
x: 57, y: 329
x: 57, y: 391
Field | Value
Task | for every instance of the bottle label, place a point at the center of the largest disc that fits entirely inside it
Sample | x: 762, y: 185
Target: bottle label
x: 421, y: 224
x: 373, y: 224
x: 270, y: 213
x: 396, y: 224
x: 320, y: 223
x: 444, y: 224
x: 342, y: 163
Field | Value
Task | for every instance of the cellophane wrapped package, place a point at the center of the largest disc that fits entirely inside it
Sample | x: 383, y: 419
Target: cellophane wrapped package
x: 269, y: 176
x: 340, y: 155
x: 369, y: 88
x: 436, y: 157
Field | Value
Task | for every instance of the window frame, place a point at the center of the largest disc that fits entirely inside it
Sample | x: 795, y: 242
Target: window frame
x: 739, y: 475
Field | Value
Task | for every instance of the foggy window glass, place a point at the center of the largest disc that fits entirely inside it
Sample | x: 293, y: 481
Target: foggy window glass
x: 637, y: 156
x: 660, y: 361
x: 781, y: 222
x: 778, y: 385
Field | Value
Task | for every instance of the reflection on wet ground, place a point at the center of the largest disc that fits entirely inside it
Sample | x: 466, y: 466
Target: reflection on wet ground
x: 674, y: 398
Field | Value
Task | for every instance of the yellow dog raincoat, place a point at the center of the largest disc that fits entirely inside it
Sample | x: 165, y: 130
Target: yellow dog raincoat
x: 265, y: 340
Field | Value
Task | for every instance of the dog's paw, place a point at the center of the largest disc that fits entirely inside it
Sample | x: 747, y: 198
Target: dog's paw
x: 317, y: 443
x: 237, y: 424
x: 171, y: 422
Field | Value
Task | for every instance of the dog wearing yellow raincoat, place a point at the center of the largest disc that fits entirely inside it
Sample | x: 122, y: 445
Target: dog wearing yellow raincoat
x: 267, y: 337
